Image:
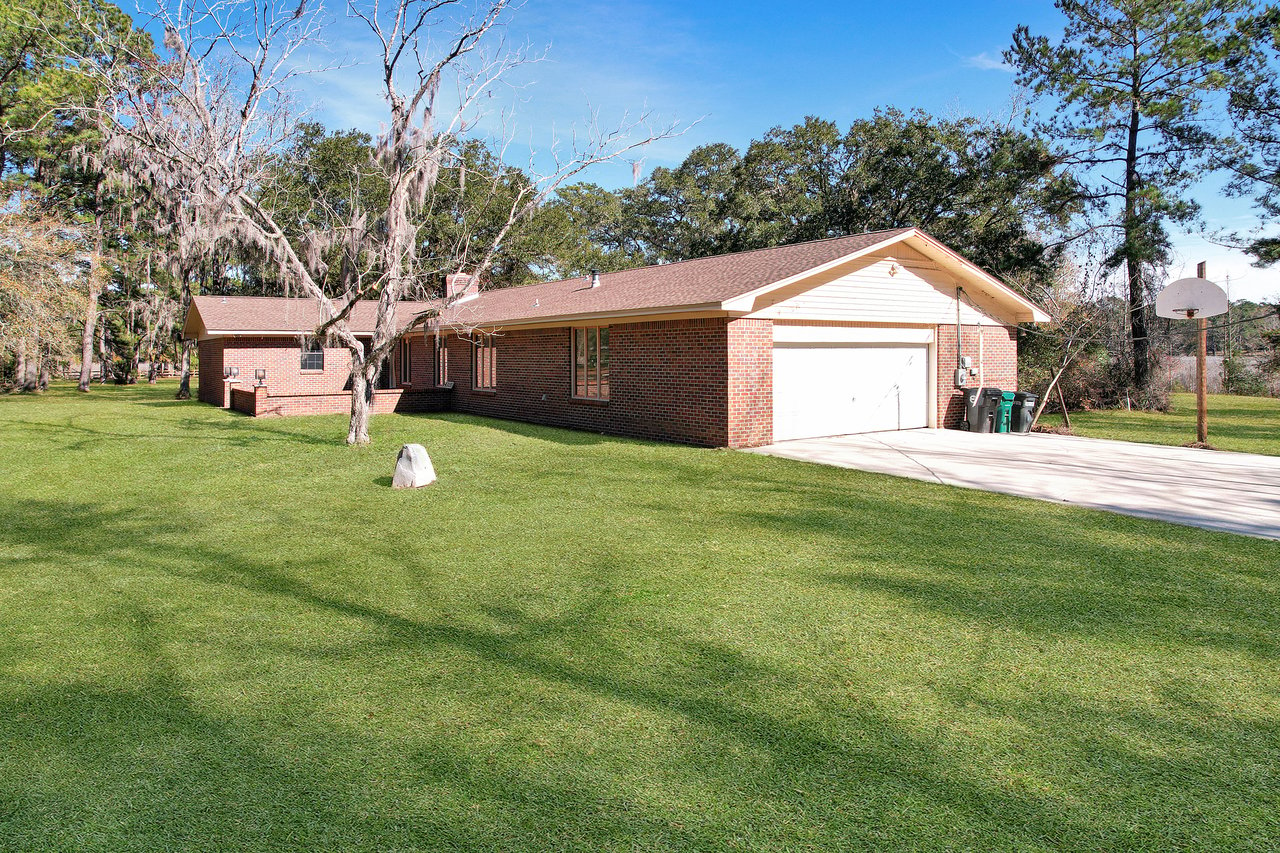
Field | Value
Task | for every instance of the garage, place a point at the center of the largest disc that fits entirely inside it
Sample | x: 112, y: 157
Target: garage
x: 837, y: 381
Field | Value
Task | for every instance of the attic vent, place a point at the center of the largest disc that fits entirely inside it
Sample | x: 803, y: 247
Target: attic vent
x: 595, y: 278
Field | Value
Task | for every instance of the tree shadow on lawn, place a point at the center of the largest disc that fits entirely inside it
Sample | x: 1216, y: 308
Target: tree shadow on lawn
x: 158, y: 759
x: 1005, y: 561
x: 235, y: 430
x: 771, y: 776
x: 559, y: 435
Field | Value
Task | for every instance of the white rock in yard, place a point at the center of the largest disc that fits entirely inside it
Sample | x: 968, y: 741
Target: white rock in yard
x: 413, y: 468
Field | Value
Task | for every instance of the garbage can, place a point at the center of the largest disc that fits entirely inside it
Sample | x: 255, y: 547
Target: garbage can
x: 972, y: 399
x: 1004, y: 411
x: 1024, y: 409
x: 981, y: 405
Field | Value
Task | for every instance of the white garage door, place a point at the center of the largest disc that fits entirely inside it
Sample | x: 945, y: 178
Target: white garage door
x: 822, y: 388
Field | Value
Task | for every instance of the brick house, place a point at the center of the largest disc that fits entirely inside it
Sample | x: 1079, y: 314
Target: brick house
x: 850, y: 334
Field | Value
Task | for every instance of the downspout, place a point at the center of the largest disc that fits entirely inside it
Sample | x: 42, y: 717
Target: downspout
x: 959, y: 353
x: 982, y: 382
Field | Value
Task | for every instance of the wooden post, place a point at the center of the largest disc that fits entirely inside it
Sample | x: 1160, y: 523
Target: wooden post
x: 1202, y: 380
x: 1202, y: 383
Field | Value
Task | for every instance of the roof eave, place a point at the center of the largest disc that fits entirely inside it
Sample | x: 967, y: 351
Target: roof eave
x: 591, y: 316
x: 1025, y: 311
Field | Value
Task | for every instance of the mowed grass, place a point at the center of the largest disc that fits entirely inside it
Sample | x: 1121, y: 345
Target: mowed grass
x: 1242, y: 424
x: 219, y: 633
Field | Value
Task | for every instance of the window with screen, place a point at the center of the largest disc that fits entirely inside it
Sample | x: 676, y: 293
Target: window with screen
x: 312, y: 356
x: 485, y: 373
x: 591, y: 363
x: 404, y: 363
x: 441, y: 364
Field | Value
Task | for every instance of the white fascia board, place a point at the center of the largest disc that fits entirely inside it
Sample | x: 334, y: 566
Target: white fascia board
x: 1028, y: 311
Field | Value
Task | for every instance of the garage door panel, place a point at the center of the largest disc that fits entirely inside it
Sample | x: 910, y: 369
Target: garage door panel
x: 839, y: 388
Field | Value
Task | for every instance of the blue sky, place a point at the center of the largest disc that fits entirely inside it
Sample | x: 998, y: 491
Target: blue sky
x: 739, y: 68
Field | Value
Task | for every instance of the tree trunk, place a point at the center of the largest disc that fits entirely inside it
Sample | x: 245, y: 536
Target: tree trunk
x: 361, y: 404
x: 29, y: 381
x: 1138, y: 333
x: 184, y: 383
x: 19, y: 365
x: 86, y: 340
x: 91, y: 310
x: 43, y: 376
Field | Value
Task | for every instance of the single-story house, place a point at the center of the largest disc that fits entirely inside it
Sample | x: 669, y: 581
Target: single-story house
x: 870, y: 332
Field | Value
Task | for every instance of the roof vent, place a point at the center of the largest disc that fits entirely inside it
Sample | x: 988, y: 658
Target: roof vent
x: 595, y: 278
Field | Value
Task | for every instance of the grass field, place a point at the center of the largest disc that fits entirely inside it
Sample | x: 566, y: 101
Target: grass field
x: 219, y: 633
x: 1242, y: 424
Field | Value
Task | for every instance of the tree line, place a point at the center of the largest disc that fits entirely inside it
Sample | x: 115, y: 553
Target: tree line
x: 138, y: 174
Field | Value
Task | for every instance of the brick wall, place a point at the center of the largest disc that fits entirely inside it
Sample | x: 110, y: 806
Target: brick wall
x: 259, y: 402
x: 384, y: 402
x: 999, y: 365
x: 668, y: 381
x: 282, y: 359
x: 706, y: 382
x: 750, y: 352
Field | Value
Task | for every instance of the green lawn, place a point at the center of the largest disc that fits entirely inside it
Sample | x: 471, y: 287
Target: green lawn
x: 218, y: 633
x: 1242, y: 424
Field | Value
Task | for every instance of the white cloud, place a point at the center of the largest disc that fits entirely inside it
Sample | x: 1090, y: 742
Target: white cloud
x: 986, y: 62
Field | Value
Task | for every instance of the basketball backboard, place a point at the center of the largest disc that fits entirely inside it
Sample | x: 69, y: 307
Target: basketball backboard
x: 1191, y: 298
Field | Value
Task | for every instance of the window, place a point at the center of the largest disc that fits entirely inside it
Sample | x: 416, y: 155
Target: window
x: 441, y: 361
x: 404, y: 362
x: 312, y: 356
x: 485, y: 375
x: 591, y: 363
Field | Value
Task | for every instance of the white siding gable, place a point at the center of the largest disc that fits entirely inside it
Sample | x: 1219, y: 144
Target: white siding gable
x: 900, y: 286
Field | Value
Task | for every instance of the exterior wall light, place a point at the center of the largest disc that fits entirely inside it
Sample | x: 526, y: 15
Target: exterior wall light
x: 226, y: 373
x: 235, y: 373
x: 261, y: 375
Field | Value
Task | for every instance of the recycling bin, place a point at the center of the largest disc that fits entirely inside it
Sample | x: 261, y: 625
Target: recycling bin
x: 1024, y: 410
x: 1004, y: 411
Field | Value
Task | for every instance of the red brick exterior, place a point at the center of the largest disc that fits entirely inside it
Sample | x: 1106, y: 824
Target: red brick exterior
x: 293, y: 391
x: 750, y: 382
x: 999, y: 365
x: 706, y: 382
x: 668, y: 380
x: 260, y: 402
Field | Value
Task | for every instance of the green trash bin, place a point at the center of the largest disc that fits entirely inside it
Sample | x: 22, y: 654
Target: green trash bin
x: 1005, y: 412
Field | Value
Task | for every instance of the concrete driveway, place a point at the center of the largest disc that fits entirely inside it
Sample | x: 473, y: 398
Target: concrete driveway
x: 1233, y: 492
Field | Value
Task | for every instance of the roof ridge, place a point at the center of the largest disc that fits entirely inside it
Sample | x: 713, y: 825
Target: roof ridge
x: 299, y: 298
x: 712, y: 257
x: 771, y: 248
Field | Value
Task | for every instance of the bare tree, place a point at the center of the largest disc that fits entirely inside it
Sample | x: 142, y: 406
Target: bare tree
x: 47, y: 267
x: 204, y: 125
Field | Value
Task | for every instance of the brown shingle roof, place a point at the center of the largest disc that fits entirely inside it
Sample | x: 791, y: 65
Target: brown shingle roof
x: 268, y: 314
x: 704, y: 283
x: 681, y: 285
